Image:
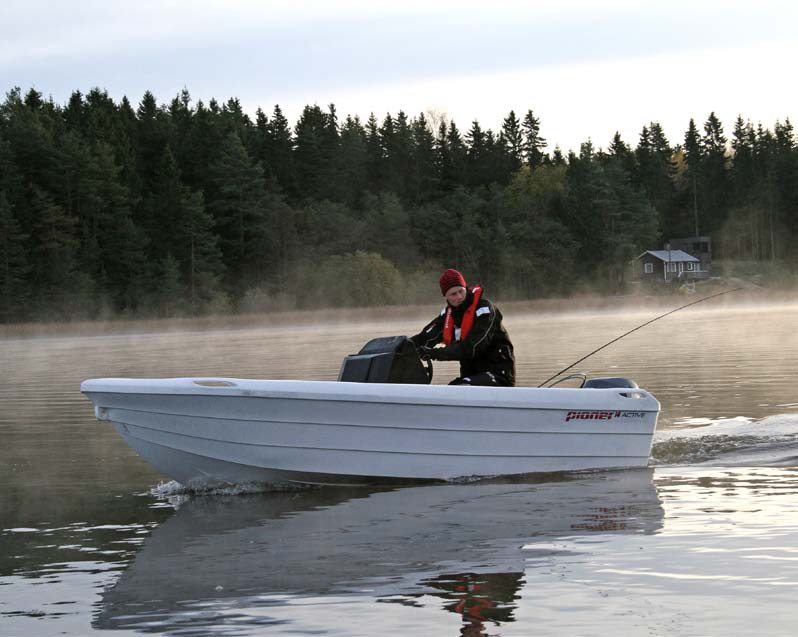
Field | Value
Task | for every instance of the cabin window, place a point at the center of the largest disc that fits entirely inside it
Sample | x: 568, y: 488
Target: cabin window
x: 689, y: 265
x: 671, y: 267
x: 648, y: 268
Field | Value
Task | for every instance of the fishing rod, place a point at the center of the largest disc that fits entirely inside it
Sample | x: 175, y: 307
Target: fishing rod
x: 615, y: 340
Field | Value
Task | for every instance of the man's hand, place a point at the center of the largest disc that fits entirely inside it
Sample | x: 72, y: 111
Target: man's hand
x: 428, y: 353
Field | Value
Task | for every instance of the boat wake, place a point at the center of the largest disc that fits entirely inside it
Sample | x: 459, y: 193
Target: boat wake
x: 176, y: 493
x: 772, y: 441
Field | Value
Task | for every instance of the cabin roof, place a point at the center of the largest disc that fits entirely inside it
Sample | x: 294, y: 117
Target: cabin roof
x: 670, y: 255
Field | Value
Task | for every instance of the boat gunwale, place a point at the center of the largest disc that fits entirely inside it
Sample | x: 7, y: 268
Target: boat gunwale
x: 379, y: 393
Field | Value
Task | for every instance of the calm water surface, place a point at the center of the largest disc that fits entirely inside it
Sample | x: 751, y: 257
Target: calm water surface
x: 705, y: 542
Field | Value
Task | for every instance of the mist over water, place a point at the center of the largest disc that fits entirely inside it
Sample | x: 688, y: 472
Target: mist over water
x: 638, y: 552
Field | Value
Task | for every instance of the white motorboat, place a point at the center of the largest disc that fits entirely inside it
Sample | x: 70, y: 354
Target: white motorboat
x: 227, y: 430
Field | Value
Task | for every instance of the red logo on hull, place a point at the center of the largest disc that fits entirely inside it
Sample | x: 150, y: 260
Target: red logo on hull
x: 602, y: 415
x: 591, y: 415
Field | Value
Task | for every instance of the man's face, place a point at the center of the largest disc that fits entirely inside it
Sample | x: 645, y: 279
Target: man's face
x: 455, y: 296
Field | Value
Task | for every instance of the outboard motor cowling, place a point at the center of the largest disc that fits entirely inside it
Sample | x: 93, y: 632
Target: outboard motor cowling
x: 391, y: 359
x: 609, y: 383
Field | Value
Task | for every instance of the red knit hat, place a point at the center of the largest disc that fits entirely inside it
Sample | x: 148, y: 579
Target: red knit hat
x: 449, y: 279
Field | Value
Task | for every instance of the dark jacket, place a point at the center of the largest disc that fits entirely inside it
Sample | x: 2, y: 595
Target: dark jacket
x: 487, y: 347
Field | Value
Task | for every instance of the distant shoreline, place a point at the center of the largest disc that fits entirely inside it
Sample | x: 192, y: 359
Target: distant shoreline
x: 302, y: 318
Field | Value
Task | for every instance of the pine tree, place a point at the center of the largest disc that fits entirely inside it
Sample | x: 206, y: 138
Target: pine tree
x: 181, y: 124
x: 197, y: 251
x: 425, y: 175
x: 581, y: 213
x: 101, y: 121
x: 630, y: 221
x: 260, y: 144
x: 497, y: 159
x: 389, y: 175
x: 126, y: 151
x: 32, y: 150
x: 234, y: 120
x: 624, y: 156
x: 374, y: 155
x: 743, y: 166
x: 351, y: 163
x: 14, y: 266
x: 765, y: 157
x: 11, y: 181
x: 316, y: 137
x: 513, y: 141
x: 400, y: 157
x: 786, y: 182
x: 33, y: 100
x: 115, y: 246
x: 655, y: 176
x: 73, y: 113
x: 54, y: 246
x: 557, y: 158
x: 452, y: 157
x: 533, y: 144
x: 163, y: 207
x: 751, y: 209
x: 715, y: 172
x: 479, y: 161
x: 280, y: 151
x: 694, y: 178
x: 238, y: 212
x: 331, y: 135
x: 151, y: 138
x: 205, y: 141
x: 692, y: 146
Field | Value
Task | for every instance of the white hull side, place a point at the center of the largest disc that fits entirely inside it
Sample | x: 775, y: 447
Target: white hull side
x: 346, y: 433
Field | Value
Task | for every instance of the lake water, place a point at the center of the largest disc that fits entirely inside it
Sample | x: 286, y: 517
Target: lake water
x: 704, y: 542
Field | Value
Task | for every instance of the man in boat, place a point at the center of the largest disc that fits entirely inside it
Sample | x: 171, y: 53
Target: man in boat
x: 471, y: 331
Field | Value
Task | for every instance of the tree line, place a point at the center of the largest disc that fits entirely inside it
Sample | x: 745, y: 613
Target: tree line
x: 107, y: 209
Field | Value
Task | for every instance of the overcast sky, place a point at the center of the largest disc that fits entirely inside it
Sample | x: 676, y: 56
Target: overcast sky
x: 587, y: 68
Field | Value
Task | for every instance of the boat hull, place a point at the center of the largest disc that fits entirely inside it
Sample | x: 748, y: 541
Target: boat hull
x: 233, y: 431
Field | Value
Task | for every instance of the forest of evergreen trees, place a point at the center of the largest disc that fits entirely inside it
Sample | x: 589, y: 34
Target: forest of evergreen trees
x: 113, y: 209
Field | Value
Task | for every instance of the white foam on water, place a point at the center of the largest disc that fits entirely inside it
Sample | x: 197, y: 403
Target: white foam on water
x: 176, y: 493
x: 769, y: 441
x: 778, y: 425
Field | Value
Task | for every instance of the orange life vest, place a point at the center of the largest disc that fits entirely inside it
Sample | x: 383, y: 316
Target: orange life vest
x: 468, y: 318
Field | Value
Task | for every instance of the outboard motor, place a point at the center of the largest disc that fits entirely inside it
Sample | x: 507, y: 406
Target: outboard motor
x: 609, y: 383
x: 392, y: 359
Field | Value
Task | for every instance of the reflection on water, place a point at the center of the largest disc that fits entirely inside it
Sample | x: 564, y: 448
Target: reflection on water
x: 689, y: 552
x: 699, y: 550
x: 481, y: 600
x: 463, y: 544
